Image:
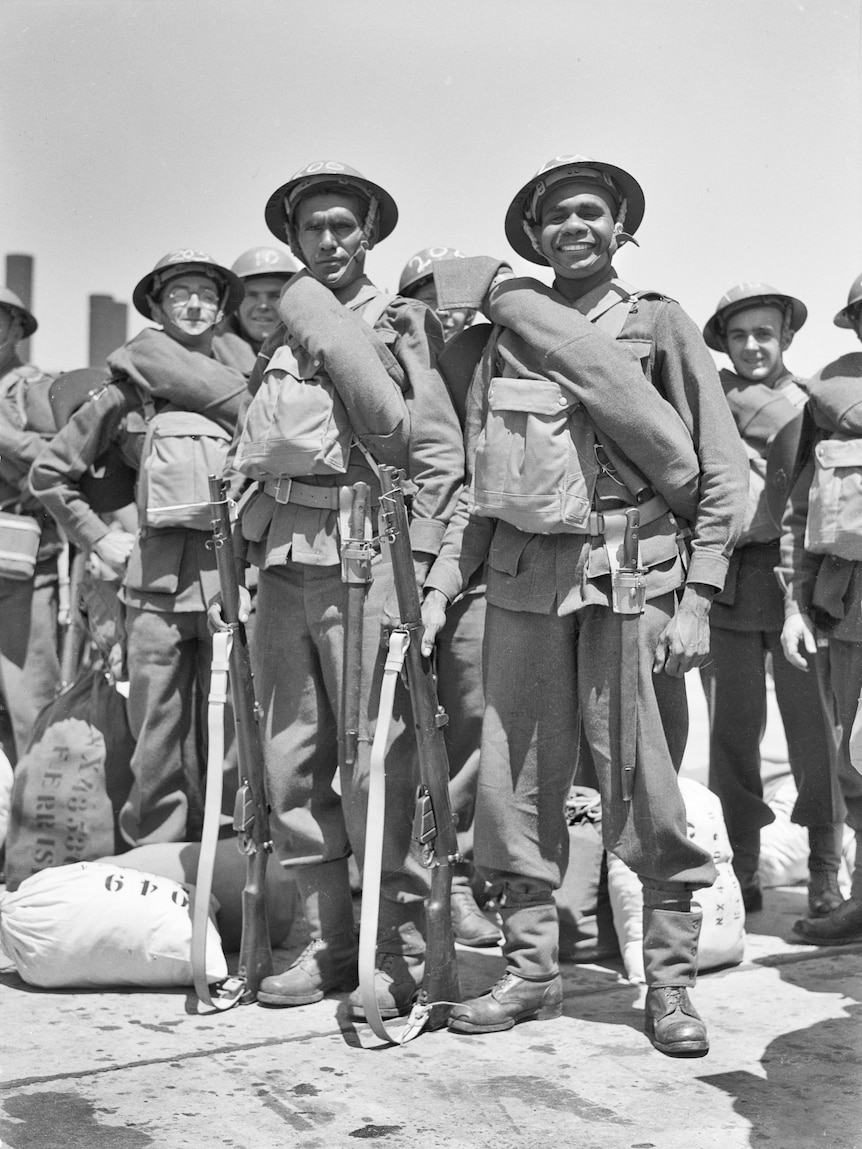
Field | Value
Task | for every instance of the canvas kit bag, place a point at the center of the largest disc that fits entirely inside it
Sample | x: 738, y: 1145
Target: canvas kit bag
x: 89, y: 924
x: 71, y: 781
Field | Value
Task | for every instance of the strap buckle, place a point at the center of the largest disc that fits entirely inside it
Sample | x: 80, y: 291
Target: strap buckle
x: 281, y: 494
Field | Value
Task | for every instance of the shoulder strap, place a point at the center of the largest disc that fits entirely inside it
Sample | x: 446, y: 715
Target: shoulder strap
x: 372, y: 312
x: 13, y: 386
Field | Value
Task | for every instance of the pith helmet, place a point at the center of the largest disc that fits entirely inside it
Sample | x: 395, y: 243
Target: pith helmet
x: 327, y: 173
x: 854, y: 296
x: 11, y: 302
x: 744, y: 295
x: 264, y: 261
x: 420, y: 266
x: 176, y: 263
x: 524, y: 207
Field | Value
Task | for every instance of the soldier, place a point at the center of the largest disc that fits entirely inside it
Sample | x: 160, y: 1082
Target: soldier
x: 417, y: 282
x: 754, y: 324
x: 264, y: 271
x: 459, y: 647
x: 821, y: 572
x: 572, y: 427
x: 29, y: 664
x: 311, y: 432
x: 162, y: 381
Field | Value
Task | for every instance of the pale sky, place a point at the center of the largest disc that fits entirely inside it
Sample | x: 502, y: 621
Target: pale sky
x: 134, y: 127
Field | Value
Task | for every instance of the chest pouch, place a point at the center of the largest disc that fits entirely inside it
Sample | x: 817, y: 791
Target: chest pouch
x: 535, y: 459
x: 296, y: 424
x: 181, y: 450
x: 834, y: 523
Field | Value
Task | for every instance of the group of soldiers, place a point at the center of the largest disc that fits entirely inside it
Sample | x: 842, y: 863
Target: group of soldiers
x: 588, y: 522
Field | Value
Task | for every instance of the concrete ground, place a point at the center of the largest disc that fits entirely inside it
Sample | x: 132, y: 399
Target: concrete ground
x: 128, y: 1070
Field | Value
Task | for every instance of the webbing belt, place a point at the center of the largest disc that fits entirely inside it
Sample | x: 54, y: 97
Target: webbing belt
x: 286, y: 490
x: 602, y: 522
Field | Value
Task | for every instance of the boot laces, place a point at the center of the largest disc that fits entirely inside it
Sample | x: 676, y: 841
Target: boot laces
x: 675, y: 995
x: 313, y: 947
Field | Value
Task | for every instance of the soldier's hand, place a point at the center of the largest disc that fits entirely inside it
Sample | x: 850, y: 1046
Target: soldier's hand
x: 684, y: 642
x: 391, y: 616
x: 215, y: 617
x: 797, y: 639
x: 433, y: 618
x: 114, y: 549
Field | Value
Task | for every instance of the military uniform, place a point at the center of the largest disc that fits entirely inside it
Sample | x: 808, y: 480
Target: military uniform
x: 828, y: 588
x: 746, y: 620
x: 611, y: 401
x: 298, y: 651
x: 171, y: 575
x: 558, y: 641
x: 29, y: 661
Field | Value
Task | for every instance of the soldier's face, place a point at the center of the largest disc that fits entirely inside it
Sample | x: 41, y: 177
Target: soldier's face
x: 10, y: 327
x: 188, y: 306
x: 756, y: 340
x: 258, y: 314
x: 453, y: 320
x: 577, y: 229
x: 329, y: 234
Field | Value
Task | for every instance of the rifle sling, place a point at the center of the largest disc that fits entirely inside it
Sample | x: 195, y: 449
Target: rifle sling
x: 374, y: 829
x: 229, y: 992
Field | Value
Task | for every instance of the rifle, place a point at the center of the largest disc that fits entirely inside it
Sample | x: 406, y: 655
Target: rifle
x: 434, y: 826
x: 251, y: 814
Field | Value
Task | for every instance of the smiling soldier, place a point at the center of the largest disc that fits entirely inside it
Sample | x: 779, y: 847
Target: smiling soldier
x: 754, y: 325
x: 162, y: 381
x: 597, y: 435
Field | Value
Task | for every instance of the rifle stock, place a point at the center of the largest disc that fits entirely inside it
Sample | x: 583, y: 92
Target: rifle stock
x: 251, y: 815
x: 434, y: 825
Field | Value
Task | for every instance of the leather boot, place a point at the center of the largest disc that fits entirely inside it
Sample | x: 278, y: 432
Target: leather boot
x: 824, y: 894
x: 511, y: 1000
x: 671, y: 1022
x: 399, y: 965
x: 469, y: 924
x: 329, y: 961
x: 824, y: 862
x: 531, y: 989
x: 746, y: 859
x: 840, y: 928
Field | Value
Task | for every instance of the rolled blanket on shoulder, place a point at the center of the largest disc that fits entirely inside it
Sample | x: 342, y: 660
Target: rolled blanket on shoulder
x: 160, y: 366
x: 368, y: 378
x: 555, y: 341
x: 836, y: 396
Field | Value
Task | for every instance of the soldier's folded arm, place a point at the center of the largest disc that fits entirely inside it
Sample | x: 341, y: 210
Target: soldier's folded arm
x: 56, y: 474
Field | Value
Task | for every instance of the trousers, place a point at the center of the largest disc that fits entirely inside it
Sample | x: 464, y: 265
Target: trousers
x: 29, y: 661
x: 544, y: 677
x: 735, y: 685
x: 169, y: 656
x: 319, y: 810
x: 460, y: 693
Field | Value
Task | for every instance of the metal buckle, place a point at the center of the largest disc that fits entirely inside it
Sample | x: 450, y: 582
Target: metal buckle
x: 283, y: 496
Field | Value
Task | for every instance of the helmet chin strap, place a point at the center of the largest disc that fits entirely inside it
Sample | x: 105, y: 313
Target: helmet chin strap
x: 14, y: 335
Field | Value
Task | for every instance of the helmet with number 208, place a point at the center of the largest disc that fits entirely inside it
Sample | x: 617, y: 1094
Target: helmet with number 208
x: 177, y: 263
x: 329, y: 174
